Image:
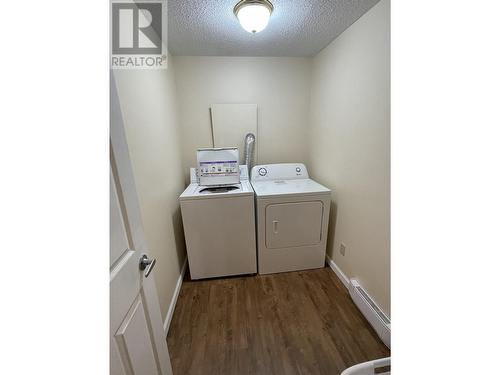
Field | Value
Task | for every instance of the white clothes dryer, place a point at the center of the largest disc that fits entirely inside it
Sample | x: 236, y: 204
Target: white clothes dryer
x: 292, y: 218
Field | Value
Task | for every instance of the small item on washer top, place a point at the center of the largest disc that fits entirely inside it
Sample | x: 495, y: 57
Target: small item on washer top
x: 218, y: 166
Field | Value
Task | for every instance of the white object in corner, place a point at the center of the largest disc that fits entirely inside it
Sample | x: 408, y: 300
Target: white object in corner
x: 375, y: 316
x: 378, y: 366
x: 173, y: 302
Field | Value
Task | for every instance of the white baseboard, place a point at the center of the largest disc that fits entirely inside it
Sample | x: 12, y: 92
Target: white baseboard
x: 173, y: 302
x: 338, y: 272
x: 371, y: 311
x: 382, y: 328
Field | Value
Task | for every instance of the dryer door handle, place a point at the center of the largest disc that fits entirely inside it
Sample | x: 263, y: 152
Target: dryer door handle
x: 275, y: 226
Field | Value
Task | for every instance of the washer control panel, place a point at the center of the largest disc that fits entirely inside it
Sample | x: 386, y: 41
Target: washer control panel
x: 210, y: 168
x: 285, y: 171
x: 218, y: 166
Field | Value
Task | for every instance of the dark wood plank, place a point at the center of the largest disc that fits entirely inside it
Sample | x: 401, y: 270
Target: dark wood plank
x: 289, y: 323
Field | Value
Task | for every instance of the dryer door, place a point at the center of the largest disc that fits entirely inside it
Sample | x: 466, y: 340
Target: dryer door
x: 293, y: 224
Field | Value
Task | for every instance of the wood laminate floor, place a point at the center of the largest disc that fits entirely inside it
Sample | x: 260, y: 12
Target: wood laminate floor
x: 287, y: 323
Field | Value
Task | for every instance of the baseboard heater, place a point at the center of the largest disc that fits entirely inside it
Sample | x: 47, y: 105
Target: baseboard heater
x: 375, y: 316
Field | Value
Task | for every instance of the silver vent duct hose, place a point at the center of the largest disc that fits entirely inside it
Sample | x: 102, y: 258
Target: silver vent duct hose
x: 249, y: 152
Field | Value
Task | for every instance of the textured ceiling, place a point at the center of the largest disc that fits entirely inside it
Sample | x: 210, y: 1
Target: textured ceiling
x: 296, y: 27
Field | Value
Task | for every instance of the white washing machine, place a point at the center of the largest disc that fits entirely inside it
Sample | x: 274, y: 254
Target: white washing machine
x: 219, y: 227
x: 292, y: 218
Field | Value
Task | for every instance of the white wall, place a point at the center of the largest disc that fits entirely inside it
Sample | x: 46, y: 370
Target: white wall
x: 148, y: 102
x: 349, y: 147
x: 279, y: 87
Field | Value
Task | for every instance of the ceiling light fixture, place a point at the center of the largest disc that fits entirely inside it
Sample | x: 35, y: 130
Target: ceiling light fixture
x: 253, y: 14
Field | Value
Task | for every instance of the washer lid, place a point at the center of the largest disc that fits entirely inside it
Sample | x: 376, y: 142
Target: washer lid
x: 195, y: 191
x: 288, y: 187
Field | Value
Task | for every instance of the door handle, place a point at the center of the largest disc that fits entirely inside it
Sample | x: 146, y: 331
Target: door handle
x: 146, y: 264
x: 275, y: 226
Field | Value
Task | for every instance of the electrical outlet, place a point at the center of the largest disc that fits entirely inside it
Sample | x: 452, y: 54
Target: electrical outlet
x: 342, y: 249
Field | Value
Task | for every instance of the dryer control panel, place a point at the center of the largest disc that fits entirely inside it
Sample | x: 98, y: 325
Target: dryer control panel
x: 284, y: 171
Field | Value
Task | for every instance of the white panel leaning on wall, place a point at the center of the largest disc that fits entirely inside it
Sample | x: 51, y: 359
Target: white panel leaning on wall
x: 231, y: 123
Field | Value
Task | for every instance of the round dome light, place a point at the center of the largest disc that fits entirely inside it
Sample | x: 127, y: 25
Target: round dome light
x: 253, y: 14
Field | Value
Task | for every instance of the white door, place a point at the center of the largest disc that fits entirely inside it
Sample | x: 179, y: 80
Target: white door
x: 137, y: 341
x: 293, y: 224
